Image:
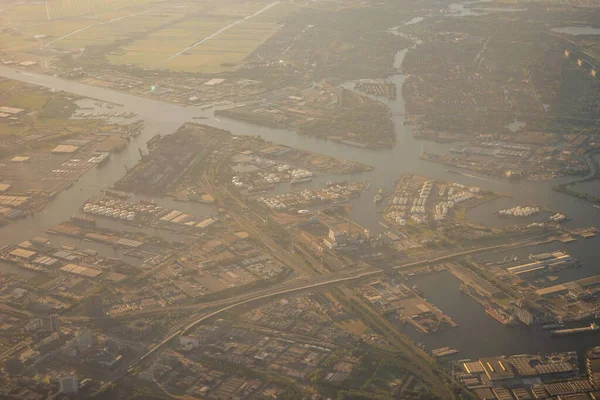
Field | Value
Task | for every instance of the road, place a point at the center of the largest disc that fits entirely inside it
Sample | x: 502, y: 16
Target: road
x: 204, y: 311
x: 314, y: 283
x: 307, y: 284
x: 217, y: 33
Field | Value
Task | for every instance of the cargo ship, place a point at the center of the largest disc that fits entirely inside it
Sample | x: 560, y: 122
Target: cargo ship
x: 118, y: 195
x: 593, y: 328
x: 300, y: 180
x: 549, y: 327
x: 378, y: 196
x: 338, y: 183
x: 500, y: 316
x: 83, y: 219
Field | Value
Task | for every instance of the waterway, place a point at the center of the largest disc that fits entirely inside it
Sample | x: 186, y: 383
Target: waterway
x: 577, y: 30
x: 389, y: 164
x: 415, y: 20
x: 478, y: 334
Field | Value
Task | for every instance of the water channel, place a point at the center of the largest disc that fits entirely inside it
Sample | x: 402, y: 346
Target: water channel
x: 478, y: 335
x: 577, y: 30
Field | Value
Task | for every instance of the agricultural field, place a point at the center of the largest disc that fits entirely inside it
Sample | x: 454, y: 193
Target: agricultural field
x: 115, y: 29
x: 15, y: 42
x: 71, y: 8
x: 206, y: 37
x: 21, y: 15
x: 210, y: 43
x: 32, y: 27
x: 161, y: 45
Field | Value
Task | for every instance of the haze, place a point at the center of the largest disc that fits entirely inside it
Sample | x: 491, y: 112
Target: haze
x: 296, y: 199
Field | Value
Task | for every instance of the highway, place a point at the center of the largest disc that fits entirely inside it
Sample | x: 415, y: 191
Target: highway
x: 314, y: 283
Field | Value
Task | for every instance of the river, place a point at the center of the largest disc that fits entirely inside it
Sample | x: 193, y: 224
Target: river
x: 389, y: 164
x: 577, y: 30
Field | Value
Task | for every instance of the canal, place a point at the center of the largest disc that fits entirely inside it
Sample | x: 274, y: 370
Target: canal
x: 478, y: 334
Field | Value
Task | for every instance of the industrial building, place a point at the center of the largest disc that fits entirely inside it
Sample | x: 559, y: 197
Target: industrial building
x: 69, y: 384
x: 86, y: 272
x: 592, y: 365
x: 552, y: 261
x: 478, y: 283
x: 64, y: 149
x: 94, y: 306
x: 84, y: 340
x: 55, y: 323
x: 22, y: 254
x: 518, y: 371
x: 578, y: 289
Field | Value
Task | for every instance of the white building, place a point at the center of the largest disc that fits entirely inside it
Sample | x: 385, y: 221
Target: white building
x: 188, y: 343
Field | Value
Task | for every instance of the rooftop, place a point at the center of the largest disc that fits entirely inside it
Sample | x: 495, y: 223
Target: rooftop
x: 496, y: 368
x: 22, y: 253
x: 65, y: 149
x: 87, y: 272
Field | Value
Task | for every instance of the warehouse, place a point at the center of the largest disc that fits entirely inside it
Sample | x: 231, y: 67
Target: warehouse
x: 22, y: 254
x: 86, y: 272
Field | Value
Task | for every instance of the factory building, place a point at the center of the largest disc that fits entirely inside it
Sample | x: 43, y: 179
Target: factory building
x: 69, y: 384
x: 592, y: 365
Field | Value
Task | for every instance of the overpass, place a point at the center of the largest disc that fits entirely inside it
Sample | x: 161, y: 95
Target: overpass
x: 350, y: 276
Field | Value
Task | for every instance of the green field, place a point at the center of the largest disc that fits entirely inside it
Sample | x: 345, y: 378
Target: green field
x: 160, y: 45
x: 152, y: 33
x: 71, y: 8
x: 224, y: 51
x: 19, y: 15
x: 112, y: 31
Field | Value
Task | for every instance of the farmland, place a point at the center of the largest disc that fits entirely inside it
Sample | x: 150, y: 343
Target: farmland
x: 207, y: 37
x: 71, y: 8
x: 109, y: 32
x: 209, y: 43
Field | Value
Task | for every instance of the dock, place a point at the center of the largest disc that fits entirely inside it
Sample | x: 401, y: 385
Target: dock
x: 443, y: 352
